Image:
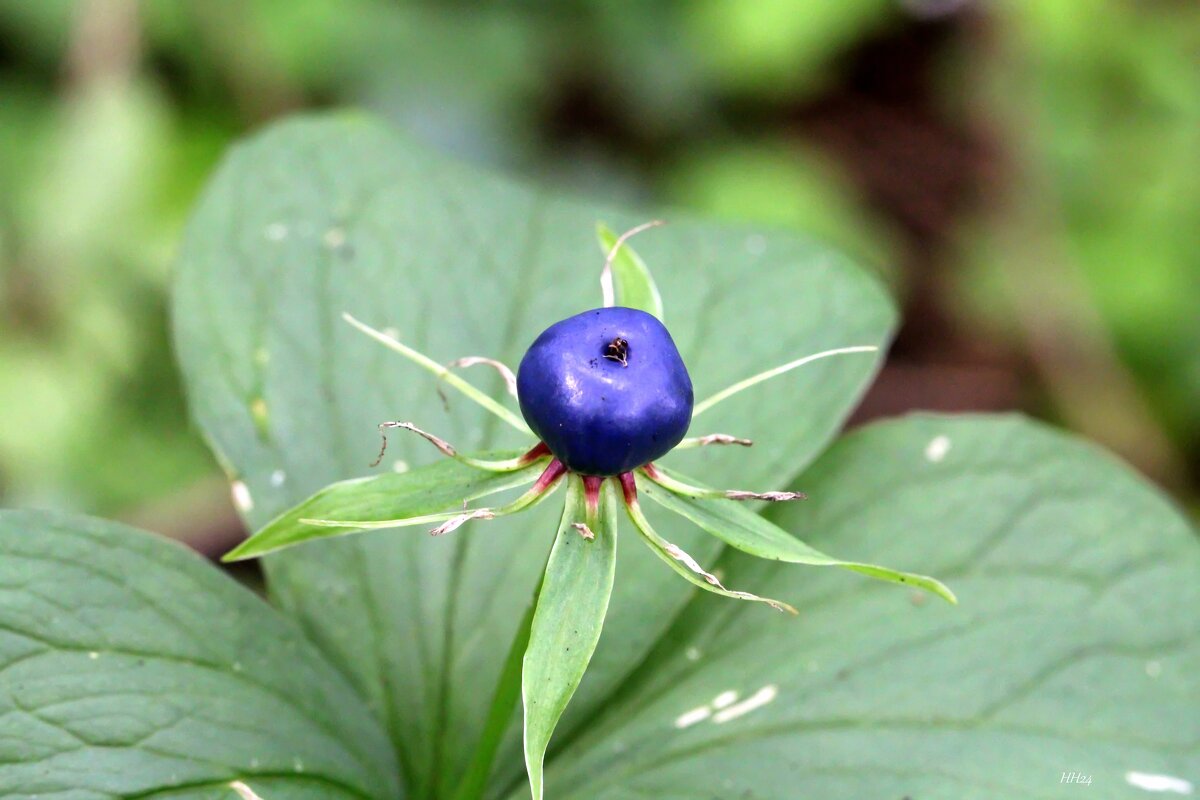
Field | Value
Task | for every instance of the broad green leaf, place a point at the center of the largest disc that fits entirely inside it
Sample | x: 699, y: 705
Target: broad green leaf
x: 473, y: 783
x: 131, y: 668
x: 320, y: 217
x: 1075, y: 646
x: 633, y: 285
x: 570, y: 613
x: 412, y: 495
x: 736, y: 525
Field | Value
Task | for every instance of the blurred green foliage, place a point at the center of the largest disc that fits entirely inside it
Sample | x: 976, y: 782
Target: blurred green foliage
x: 112, y: 112
x: 1103, y: 105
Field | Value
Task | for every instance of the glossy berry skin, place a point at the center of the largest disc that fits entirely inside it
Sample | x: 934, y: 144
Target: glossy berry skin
x: 600, y: 416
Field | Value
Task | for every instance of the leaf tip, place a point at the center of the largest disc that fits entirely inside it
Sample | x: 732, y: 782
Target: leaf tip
x: 936, y: 587
x: 237, y: 554
x: 946, y: 593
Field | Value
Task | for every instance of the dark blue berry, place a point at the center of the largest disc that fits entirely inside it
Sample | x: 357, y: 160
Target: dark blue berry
x: 606, y: 390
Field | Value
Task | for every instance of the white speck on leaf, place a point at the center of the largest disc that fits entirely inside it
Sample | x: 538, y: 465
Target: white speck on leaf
x: 399, y: 465
x: 755, y: 701
x: 937, y: 448
x: 278, y: 477
x: 241, y: 496
x: 297, y: 764
x: 692, y: 653
x: 260, y: 412
x: 262, y: 356
x: 724, y: 699
x: 244, y: 791
x: 1154, y: 668
x: 1158, y: 783
x: 276, y: 232
x: 93, y: 655
x: 689, y: 718
x: 236, y: 666
x: 335, y: 237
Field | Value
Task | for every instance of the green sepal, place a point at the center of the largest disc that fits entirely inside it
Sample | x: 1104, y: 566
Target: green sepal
x: 740, y: 527
x: 425, y: 494
x: 570, y: 613
x: 632, y: 282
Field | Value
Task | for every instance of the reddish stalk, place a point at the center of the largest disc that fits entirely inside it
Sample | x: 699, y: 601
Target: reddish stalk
x: 554, y: 470
x: 629, y: 488
x: 591, y: 493
x: 539, y: 450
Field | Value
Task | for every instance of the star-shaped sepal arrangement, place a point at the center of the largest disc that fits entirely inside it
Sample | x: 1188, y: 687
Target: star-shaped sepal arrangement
x: 604, y: 395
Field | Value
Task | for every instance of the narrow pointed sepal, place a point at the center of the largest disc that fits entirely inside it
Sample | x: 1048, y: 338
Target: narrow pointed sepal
x: 741, y: 528
x: 775, y: 372
x: 678, y: 559
x: 542, y: 488
x: 625, y: 279
x: 571, y: 607
x: 420, y: 496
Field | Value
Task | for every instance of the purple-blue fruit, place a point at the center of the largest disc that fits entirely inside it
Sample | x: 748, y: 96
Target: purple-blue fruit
x: 606, y: 390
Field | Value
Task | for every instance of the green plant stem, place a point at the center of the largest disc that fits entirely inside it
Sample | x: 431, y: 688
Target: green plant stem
x: 504, y: 700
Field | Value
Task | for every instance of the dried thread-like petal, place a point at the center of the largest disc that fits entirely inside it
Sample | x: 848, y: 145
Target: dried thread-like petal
x: 454, y: 523
x: 679, y: 555
x: 713, y: 438
x: 674, y: 484
x: 438, y: 442
x: 507, y: 465
x: 770, y: 497
x: 510, y: 378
